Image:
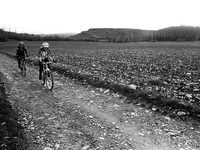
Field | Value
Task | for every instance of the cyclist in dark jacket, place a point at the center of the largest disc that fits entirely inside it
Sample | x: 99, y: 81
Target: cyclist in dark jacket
x: 21, y: 52
x: 44, y: 54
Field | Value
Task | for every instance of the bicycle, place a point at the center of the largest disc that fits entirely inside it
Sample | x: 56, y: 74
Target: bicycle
x: 22, y: 65
x: 47, y: 76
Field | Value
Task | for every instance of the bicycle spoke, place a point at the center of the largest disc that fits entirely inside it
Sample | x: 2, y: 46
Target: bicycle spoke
x: 23, y: 69
x: 43, y: 78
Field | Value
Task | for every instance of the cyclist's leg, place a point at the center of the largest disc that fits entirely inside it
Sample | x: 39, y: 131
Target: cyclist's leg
x: 24, y: 59
x: 40, y: 70
x: 47, y: 60
x: 19, y: 61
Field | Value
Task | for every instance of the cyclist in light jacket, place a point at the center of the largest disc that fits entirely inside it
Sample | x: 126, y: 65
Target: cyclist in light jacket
x: 43, y: 55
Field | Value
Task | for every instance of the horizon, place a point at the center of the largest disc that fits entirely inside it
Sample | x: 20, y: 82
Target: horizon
x: 94, y: 28
x: 65, y: 16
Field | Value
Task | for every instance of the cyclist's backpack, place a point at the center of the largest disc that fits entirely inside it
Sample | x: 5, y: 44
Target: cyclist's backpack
x: 21, y: 50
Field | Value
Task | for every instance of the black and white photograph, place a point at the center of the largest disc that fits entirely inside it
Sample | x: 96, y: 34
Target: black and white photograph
x: 100, y: 75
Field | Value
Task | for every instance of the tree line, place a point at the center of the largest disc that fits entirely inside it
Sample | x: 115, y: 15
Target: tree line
x: 6, y: 35
x: 180, y: 33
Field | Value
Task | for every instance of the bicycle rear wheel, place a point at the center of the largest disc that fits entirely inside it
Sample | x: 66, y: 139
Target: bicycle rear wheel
x: 23, y: 69
x: 49, y: 80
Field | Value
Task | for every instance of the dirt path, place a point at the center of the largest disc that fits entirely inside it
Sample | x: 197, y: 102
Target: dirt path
x: 74, y: 116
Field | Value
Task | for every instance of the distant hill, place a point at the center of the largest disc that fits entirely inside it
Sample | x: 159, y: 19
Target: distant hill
x: 65, y: 35
x: 113, y: 35
x: 177, y: 33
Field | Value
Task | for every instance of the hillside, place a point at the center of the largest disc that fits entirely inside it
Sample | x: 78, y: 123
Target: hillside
x: 178, y: 33
x: 113, y: 35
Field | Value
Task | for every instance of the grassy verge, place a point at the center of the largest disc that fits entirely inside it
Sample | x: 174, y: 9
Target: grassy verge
x: 12, y: 135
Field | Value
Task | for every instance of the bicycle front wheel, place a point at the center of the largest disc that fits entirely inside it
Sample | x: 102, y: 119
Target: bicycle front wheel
x: 49, y: 80
x: 43, y: 78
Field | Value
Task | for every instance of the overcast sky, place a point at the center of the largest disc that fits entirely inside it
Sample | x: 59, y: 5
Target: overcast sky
x: 74, y: 16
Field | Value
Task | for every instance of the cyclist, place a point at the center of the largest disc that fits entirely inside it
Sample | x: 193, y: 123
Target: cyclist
x: 21, y: 52
x: 43, y: 55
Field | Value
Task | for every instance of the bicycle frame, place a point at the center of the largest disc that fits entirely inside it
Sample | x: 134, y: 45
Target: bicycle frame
x: 45, y: 66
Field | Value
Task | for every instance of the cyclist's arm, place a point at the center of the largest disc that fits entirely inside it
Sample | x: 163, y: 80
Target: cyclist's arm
x: 38, y: 57
x: 17, y: 51
x: 50, y: 54
x: 25, y: 49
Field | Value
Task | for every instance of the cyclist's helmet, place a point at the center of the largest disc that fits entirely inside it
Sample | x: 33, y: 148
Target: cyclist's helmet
x: 45, y: 44
x: 21, y: 43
